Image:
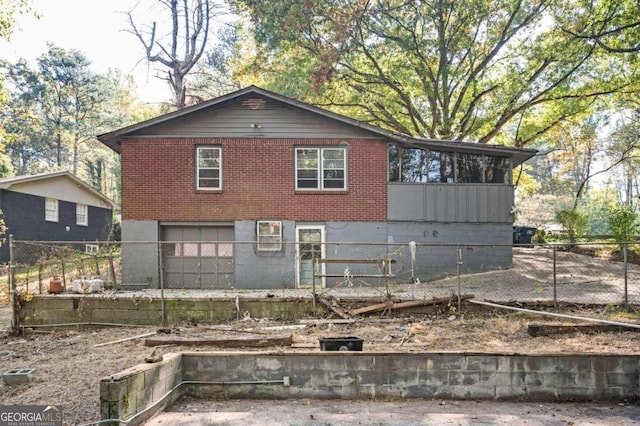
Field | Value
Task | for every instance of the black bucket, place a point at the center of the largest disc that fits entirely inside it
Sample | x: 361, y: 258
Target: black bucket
x: 341, y: 343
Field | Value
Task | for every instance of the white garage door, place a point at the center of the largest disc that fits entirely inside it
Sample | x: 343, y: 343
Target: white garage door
x: 198, y: 257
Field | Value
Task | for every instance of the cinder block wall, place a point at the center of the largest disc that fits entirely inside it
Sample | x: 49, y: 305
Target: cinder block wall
x: 425, y: 375
x: 136, y: 389
x: 362, y: 375
x: 62, y: 309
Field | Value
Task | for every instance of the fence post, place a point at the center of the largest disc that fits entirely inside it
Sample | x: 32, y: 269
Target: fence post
x: 161, y: 263
x: 458, y: 263
x: 13, y: 291
x: 555, y: 279
x: 626, y: 294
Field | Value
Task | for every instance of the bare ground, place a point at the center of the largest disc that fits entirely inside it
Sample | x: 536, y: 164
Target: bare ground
x: 69, y: 367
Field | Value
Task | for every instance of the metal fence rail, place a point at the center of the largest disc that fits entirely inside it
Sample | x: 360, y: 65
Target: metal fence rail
x: 541, y: 273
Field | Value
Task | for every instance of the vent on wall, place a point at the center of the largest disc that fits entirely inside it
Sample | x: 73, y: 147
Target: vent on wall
x: 254, y: 103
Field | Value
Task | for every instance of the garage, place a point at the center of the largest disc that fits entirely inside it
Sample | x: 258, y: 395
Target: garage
x: 198, y: 257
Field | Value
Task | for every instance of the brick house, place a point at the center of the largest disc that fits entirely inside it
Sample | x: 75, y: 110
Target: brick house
x: 280, y: 175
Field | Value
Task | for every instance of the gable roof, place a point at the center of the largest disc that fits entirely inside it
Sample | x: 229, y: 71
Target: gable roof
x: 518, y: 155
x: 8, y: 182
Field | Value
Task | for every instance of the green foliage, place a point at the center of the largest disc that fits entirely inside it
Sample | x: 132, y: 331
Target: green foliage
x: 623, y: 223
x: 8, y: 11
x: 483, y: 70
x: 574, y: 222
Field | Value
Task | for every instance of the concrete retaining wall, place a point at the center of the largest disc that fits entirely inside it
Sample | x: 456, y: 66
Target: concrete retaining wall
x: 140, y: 388
x: 362, y: 375
x: 63, y: 309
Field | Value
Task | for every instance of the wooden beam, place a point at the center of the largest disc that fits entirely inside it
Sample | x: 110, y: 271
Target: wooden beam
x: 536, y: 330
x: 223, y: 341
x: 341, y: 313
x: 404, y: 305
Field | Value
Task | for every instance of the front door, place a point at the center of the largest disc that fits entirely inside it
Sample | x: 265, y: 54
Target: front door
x: 309, y: 246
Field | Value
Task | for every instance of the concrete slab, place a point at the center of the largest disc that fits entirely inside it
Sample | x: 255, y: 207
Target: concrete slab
x: 193, y: 412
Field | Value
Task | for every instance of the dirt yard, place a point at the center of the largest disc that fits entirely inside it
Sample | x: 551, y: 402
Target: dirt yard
x: 68, y: 364
x: 69, y: 367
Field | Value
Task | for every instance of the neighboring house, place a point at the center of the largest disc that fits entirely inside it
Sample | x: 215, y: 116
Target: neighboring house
x: 254, y: 166
x: 54, y: 206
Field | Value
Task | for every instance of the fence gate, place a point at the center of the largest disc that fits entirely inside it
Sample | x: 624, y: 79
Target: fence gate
x: 198, y: 257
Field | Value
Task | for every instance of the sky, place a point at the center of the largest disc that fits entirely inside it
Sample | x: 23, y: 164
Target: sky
x: 94, y: 27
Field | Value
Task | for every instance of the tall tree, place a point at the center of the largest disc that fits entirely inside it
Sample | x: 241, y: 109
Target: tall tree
x: 480, y: 70
x: 179, y: 48
x: 8, y: 11
x: 56, y: 110
x: 614, y: 25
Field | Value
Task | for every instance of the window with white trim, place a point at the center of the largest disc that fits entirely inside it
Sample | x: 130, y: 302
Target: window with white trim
x: 321, y: 169
x: 82, y: 214
x: 209, y: 168
x: 51, y: 210
x: 269, y: 235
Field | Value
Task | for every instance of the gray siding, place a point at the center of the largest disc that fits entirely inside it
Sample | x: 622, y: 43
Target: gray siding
x: 436, y: 254
x: 466, y: 203
x: 275, y: 120
x: 264, y: 270
x: 140, y: 255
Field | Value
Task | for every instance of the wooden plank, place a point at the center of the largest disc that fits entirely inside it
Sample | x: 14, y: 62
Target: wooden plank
x: 376, y: 261
x: 341, y: 313
x: 536, y: 330
x: 354, y: 276
x: 223, y: 341
x: 404, y: 305
x: 126, y: 339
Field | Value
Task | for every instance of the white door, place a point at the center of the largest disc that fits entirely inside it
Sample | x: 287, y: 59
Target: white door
x: 309, y: 246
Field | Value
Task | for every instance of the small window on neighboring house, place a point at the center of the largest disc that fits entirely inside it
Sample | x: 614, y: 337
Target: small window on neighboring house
x: 209, y: 165
x: 82, y: 214
x: 51, y: 210
x: 321, y: 168
x: 269, y: 235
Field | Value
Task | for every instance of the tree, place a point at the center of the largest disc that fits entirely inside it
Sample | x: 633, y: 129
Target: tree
x: 56, y: 110
x: 8, y: 11
x: 179, y: 49
x: 477, y: 70
x: 614, y: 25
x: 623, y: 223
x: 65, y: 96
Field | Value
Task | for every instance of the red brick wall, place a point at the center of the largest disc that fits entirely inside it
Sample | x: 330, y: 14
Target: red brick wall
x: 158, y: 182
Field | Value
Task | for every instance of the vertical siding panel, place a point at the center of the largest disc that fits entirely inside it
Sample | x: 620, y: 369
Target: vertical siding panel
x: 430, y: 203
x: 484, y: 203
x: 452, y: 202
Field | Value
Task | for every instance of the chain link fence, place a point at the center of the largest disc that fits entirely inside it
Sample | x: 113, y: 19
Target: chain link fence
x: 553, y: 274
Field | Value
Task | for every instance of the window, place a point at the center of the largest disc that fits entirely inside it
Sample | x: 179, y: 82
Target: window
x: 321, y: 168
x: 440, y: 166
x: 51, y: 210
x: 470, y: 168
x: 269, y: 235
x: 497, y: 170
x: 209, y: 168
x: 82, y: 214
x: 415, y: 165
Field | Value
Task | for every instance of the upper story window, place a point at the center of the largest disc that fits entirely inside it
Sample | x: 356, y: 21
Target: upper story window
x: 82, y: 214
x: 209, y: 167
x: 51, y: 210
x: 415, y: 165
x: 321, y: 169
